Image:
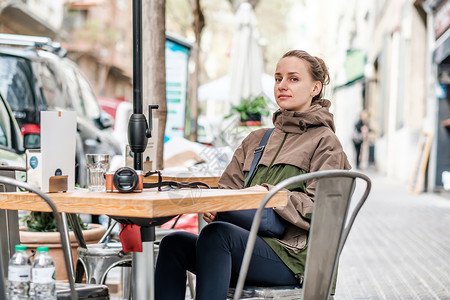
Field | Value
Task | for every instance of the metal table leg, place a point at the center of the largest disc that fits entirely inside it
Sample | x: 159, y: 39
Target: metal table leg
x: 143, y: 267
x: 126, y: 283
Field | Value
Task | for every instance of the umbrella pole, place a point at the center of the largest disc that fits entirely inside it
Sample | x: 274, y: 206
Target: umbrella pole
x: 137, y: 57
x: 138, y: 134
x: 137, y: 124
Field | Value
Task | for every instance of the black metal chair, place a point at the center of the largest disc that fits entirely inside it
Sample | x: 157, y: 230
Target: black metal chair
x: 64, y: 291
x: 332, y: 219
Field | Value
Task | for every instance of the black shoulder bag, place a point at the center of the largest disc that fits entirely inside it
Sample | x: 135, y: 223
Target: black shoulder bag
x: 272, y: 225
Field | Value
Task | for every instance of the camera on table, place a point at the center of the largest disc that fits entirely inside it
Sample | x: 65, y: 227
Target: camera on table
x: 124, y: 180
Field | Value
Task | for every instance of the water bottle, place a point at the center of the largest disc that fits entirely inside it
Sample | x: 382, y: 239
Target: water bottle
x: 43, y: 275
x: 19, y: 274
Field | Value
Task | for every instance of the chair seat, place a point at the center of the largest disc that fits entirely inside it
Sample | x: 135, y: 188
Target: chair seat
x: 277, y: 292
x: 98, y: 259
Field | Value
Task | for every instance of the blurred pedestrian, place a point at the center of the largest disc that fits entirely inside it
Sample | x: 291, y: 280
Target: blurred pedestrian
x: 303, y: 141
x: 360, y: 134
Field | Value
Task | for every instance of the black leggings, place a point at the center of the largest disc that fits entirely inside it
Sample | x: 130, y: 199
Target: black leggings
x: 215, y: 257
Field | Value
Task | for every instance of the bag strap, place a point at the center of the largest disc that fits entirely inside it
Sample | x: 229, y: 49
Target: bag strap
x: 258, y: 154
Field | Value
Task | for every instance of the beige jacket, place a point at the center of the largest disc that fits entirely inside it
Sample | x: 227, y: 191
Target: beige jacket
x: 310, y: 145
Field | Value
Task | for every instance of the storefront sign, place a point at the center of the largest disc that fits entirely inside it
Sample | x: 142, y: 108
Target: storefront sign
x: 354, y: 65
x: 177, y: 57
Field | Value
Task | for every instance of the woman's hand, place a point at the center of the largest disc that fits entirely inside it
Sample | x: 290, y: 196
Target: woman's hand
x: 209, y: 216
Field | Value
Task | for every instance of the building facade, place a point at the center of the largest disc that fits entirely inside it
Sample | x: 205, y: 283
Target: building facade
x: 32, y: 17
x: 385, y: 60
x: 97, y: 35
x: 101, y: 44
x: 438, y: 28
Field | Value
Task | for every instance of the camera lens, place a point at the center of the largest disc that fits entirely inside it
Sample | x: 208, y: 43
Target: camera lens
x: 125, y: 180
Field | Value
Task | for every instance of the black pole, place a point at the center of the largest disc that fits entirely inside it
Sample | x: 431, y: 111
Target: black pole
x: 137, y: 125
x: 137, y: 56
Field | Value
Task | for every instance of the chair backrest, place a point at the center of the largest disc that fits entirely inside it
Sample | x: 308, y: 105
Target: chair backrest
x: 330, y: 226
x: 77, y: 230
x: 63, y: 232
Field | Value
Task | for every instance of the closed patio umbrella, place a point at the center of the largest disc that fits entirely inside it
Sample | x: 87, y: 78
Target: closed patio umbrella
x: 246, y: 57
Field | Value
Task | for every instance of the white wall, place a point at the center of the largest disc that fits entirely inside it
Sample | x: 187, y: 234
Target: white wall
x: 346, y: 108
x: 405, y: 155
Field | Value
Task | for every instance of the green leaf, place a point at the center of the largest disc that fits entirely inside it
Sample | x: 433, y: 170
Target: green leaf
x: 253, y: 105
x: 45, y: 222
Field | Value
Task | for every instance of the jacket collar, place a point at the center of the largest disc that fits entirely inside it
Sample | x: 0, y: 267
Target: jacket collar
x: 299, y: 122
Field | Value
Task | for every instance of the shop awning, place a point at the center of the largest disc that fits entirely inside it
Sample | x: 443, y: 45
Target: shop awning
x: 443, y: 50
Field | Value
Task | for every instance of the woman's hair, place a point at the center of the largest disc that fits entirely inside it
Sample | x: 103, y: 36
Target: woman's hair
x: 317, y: 68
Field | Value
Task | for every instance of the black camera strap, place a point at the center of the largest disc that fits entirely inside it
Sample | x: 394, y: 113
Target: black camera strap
x: 172, y: 184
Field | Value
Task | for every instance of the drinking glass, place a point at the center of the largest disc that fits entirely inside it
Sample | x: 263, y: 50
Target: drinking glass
x: 97, y: 166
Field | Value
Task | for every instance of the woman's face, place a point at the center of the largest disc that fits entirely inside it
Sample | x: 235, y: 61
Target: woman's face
x: 294, y: 86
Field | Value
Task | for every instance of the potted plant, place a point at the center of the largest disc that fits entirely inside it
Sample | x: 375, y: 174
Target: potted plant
x: 41, y: 230
x: 45, y: 222
x: 250, y: 110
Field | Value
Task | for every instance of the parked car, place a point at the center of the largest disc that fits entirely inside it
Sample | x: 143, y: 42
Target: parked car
x: 11, y: 147
x: 35, y: 75
x: 120, y: 111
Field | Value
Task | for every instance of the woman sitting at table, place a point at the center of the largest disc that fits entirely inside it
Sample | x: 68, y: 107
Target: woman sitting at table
x: 303, y: 141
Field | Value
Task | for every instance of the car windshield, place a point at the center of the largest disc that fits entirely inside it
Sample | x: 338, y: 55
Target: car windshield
x: 72, y: 90
x: 7, y: 134
x: 80, y: 92
x: 4, y: 127
x: 51, y: 86
x: 89, y: 100
x: 14, y: 83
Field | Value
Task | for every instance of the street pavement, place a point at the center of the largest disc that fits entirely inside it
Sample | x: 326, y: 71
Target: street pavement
x: 399, y: 246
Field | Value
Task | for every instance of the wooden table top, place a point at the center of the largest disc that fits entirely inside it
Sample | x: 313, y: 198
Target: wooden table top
x: 148, y: 204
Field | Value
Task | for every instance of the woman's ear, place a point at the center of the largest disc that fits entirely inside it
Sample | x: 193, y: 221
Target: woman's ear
x: 317, y: 88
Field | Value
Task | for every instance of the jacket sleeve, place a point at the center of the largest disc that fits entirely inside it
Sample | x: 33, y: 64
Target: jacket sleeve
x: 328, y: 155
x: 233, y: 176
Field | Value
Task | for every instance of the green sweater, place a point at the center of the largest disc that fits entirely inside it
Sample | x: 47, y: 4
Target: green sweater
x: 273, y: 175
